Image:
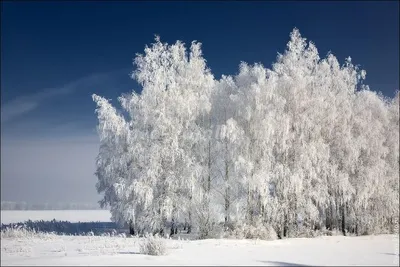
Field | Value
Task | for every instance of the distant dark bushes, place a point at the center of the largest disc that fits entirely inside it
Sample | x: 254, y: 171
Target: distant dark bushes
x: 11, y: 205
x: 68, y: 228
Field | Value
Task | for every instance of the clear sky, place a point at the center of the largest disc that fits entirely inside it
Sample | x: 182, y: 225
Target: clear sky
x: 54, y: 55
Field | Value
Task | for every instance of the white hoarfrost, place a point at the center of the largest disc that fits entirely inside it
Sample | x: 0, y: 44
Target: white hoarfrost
x: 290, y: 151
x: 153, y: 245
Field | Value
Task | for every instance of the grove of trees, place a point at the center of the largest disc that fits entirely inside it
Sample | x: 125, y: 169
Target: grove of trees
x: 303, y: 146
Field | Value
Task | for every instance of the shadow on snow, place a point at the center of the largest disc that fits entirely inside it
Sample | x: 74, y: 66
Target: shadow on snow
x: 282, y: 263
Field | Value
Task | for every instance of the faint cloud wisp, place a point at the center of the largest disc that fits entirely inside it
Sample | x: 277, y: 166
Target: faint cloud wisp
x: 26, y: 103
x: 49, y: 146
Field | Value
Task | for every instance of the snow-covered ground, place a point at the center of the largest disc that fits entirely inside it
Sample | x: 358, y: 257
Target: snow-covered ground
x: 50, y: 249
x: 16, y: 216
x: 98, y: 250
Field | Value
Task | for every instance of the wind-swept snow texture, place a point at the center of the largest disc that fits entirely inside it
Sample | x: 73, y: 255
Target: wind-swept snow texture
x: 95, y: 250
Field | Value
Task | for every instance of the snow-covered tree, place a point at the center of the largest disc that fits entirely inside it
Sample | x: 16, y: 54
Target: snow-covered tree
x: 300, y: 147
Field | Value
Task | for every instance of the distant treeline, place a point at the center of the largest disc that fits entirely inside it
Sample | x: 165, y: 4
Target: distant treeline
x: 68, y: 228
x: 11, y: 205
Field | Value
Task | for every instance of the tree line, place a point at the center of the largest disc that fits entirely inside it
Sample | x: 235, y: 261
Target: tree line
x: 22, y: 205
x: 303, y: 146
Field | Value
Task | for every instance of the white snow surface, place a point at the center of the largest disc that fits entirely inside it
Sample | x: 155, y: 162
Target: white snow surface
x: 106, y: 250
x: 16, y: 216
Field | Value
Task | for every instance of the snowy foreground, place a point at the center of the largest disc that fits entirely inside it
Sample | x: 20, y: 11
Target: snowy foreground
x: 54, y: 250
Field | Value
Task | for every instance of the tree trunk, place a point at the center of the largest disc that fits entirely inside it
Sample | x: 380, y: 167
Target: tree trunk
x: 263, y: 212
x: 259, y: 205
x: 227, y: 190
x: 189, y: 226
x: 357, y: 233
x: 285, y: 226
x: 335, y: 213
x: 172, y: 232
x: 131, y: 228
x: 344, y: 219
x: 209, y: 166
x: 328, y: 221
x: 249, y: 213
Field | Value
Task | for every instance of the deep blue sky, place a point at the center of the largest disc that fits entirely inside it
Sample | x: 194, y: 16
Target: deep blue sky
x: 54, y: 55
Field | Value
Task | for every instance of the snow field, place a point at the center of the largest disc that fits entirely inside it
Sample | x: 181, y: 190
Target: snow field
x: 51, y: 249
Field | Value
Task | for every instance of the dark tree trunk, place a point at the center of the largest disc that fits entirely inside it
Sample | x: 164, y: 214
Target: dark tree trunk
x: 174, y: 228
x: 357, y: 227
x: 285, y: 226
x: 227, y: 190
x: 189, y: 225
x: 279, y: 233
x: 344, y: 219
x: 227, y: 199
x: 131, y: 228
x: 172, y: 232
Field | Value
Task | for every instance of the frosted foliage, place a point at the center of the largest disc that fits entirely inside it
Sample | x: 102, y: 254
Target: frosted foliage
x: 304, y: 146
x: 153, y: 245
